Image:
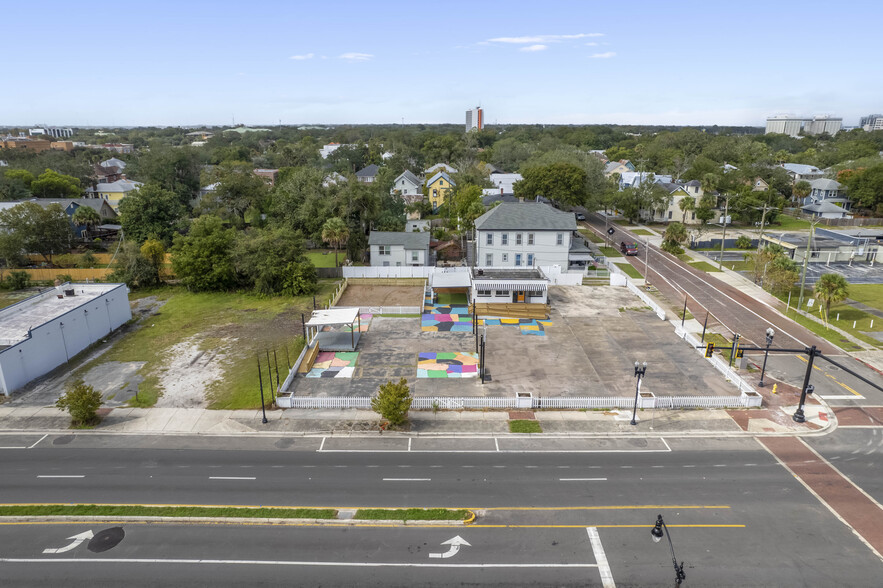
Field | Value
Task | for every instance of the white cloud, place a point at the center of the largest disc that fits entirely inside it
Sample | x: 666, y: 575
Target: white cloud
x: 607, y: 55
x: 591, y: 44
x: 356, y: 56
x: 301, y: 57
x: 534, y: 48
x: 542, y: 38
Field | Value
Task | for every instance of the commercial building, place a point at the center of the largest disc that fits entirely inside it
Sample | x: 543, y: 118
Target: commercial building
x: 872, y: 122
x: 44, y: 331
x: 474, y: 119
x: 57, y: 132
x: 793, y: 126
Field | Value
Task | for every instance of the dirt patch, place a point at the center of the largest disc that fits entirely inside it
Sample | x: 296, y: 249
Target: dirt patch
x: 361, y: 295
x: 190, y: 371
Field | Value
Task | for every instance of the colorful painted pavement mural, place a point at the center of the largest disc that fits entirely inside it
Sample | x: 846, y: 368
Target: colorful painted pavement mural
x: 526, y: 326
x: 447, y: 365
x: 334, y: 364
x: 445, y: 318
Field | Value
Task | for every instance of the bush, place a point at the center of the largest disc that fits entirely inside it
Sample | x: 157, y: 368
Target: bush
x: 301, y: 278
x: 743, y: 242
x: 18, y: 280
x: 87, y: 260
x: 393, y: 402
x: 66, y: 260
x: 82, y: 402
x: 64, y: 278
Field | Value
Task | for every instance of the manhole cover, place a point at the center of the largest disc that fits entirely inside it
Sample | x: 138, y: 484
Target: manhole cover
x: 63, y: 440
x: 284, y: 443
x: 106, y: 539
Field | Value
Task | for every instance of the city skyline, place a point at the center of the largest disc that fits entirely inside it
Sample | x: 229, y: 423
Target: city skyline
x: 575, y: 63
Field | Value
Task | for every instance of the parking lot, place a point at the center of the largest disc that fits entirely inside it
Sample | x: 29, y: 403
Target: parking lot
x: 588, y: 348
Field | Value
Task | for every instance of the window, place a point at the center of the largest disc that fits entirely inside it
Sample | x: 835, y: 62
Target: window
x: 693, y: 216
x: 530, y: 238
x: 483, y: 292
x: 502, y: 293
x: 518, y: 238
x: 441, y: 182
x: 559, y: 239
x: 490, y: 238
x: 398, y: 264
x: 669, y: 215
x: 504, y: 239
x: 385, y: 264
x: 505, y: 258
x: 489, y: 259
x: 517, y: 260
x: 530, y: 259
x: 383, y: 250
x: 415, y: 256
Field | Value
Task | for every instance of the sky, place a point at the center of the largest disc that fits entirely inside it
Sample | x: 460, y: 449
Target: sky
x: 154, y: 62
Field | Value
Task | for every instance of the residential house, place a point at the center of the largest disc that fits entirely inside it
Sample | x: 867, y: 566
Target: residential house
x: 825, y: 209
x: 333, y: 179
x: 678, y: 192
x: 398, y: 249
x: 800, y: 171
x: 328, y: 149
x: 618, y: 167
x: 437, y: 188
x: 113, y: 162
x: 408, y: 186
x: 367, y: 174
x: 727, y: 168
x: 105, y: 173
x: 524, y: 234
x: 210, y: 189
x: 825, y: 190
x: 113, y: 192
x: 505, y: 182
x: 490, y: 196
x: 70, y: 206
x: 269, y: 175
x: 439, y: 167
x: 634, y: 179
x: 760, y: 185
x: 119, y: 147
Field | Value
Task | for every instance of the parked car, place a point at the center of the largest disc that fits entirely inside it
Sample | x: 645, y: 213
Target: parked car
x: 628, y: 248
x: 580, y: 216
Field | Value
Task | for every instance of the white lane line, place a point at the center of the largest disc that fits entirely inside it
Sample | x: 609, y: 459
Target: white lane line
x: 11, y: 447
x: 48, y: 476
x: 841, y: 397
x: 409, y: 443
x: 321, y: 445
x: 259, y: 562
x: 232, y: 478
x: 407, y: 479
x: 601, y: 558
x: 38, y: 441
x: 496, y: 443
x: 582, y: 479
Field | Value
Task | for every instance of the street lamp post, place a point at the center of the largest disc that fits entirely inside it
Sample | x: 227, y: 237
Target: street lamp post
x: 769, y: 341
x: 640, y: 370
x: 808, y: 388
x: 657, y: 532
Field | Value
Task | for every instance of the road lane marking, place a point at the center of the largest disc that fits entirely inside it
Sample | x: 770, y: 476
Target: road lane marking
x: 232, y: 478
x: 407, y: 479
x: 13, y: 447
x: 322, y: 444
x: 600, y: 558
x: 842, y: 397
x: 409, y: 443
x: 496, y: 444
x: 841, y: 384
x: 582, y: 479
x: 261, y: 562
x: 608, y: 507
x: 38, y: 441
x: 59, y: 476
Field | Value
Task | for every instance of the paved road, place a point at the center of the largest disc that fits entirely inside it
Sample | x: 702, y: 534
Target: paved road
x: 735, y: 512
x: 858, y: 453
x: 837, y: 387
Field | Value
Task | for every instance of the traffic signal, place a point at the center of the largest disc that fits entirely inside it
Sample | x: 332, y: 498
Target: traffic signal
x: 709, y: 350
x: 739, y: 353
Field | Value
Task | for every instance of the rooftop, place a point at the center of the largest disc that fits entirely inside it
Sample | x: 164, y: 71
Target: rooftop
x: 30, y: 313
x: 409, y: 240
x: 506, y: 273
x: 525, y: 216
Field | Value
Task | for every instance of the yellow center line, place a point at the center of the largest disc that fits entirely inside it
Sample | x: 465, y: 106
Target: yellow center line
x: 815, y: 367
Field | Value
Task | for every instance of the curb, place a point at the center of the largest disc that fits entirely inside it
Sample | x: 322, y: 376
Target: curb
x: 236, y: 520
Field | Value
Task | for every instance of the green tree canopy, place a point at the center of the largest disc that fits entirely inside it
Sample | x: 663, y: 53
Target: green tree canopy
x: 239, y: 190
x: 86, y: 216
x: 563, y: 183
x: 831, y: 289
x: 675, y: 235
x: 263, y: 258
x: 43, y: 230
x: 202, y: 259
x: 336, y: 232
x: 51, y: 184
x: 152, y: 211
x: 393, y: 401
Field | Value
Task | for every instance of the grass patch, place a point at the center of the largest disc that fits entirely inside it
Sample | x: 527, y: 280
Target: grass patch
x: 610, y: 251
x: 789, y: 223
x: 459, y: 299
x: 412, y: 514
x: 870, y: 294
x: 830, y: 335
x: 590, y: 236
x: 684, y: 257
x: 323, y: 257
x: 134, y: 510
x: 525, y: 426
x: 740, y: 266
x: 644, y: 232
x: 629, y: 270
x: 721, y: 344
x: 705, y: 266
x: 243, y: 325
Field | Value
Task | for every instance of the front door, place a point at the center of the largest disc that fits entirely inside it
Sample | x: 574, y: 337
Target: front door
x: 519, y: 296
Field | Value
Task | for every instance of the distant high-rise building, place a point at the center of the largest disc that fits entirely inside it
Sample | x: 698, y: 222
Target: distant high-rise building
x: 872, y: 122
x: 474, y: 119
x: 792, y: 126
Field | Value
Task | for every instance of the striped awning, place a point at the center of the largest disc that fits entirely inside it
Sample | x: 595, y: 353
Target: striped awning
x: 527, y: 286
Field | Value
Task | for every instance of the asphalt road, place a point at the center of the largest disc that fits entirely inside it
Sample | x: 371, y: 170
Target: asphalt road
x: 736, y: 516
x: 836, y: 386
x: 858, y: 454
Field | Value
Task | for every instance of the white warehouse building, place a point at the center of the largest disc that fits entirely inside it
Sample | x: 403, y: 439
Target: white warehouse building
x: 44, y: 331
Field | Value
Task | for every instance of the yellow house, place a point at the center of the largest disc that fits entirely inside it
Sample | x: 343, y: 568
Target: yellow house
x: 113, y: 192
x: 437, y: 189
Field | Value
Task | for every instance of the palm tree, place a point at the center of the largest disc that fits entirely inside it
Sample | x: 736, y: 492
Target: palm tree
x: 85, y: 215
x: 831, y: 289
x: 801, y: 189
x: 336, y: 232
x: 686, y: 205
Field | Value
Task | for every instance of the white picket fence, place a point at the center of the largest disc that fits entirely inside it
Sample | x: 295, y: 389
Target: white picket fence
x: 479, y: 402
x: 390, y: 272
x: 390, y: 309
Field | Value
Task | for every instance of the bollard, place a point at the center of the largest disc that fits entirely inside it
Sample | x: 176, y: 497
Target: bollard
x: 775, y: 388
x: 872, y: 323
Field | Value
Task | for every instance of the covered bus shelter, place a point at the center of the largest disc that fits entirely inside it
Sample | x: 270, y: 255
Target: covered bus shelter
x: 332, y: 319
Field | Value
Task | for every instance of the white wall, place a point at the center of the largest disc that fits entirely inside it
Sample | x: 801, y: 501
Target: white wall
x: 398, y: 256
x: 544, y: 249
x: 55, y: 342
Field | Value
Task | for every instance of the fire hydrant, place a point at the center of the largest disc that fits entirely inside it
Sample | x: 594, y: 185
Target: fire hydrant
x: 775, y: 386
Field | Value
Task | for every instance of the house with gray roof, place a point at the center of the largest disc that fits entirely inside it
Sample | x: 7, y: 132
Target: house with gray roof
x: 367, y: 174
x: 830, y: 191
x: 800, y: 171
x: 524, y: 234
x: 394, y: 249
x: 440, y: 167
x: 825, y: 209
x: 408, y: 186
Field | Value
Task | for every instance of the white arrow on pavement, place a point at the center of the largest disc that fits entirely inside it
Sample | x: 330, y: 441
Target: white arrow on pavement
x: 455, y: 544
x: 77, y: 539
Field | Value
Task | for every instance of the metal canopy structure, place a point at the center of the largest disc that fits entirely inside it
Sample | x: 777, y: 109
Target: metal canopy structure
x: 335, y: 317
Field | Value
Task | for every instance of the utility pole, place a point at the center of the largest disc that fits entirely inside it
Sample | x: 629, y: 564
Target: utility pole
x: 720, y: 262
x: 812, y: 228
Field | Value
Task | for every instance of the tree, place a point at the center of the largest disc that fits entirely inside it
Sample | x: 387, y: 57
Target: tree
x: 43, y: 230
x: 467, y: 204
x: 86, y: 216
x: 301, y: 278
x: 675, y: 234
x: 202, y: 259
x: 152, y: 212
x: 133, y: 268
x: 262, y: 258
x: 239, y: 190
x: 866, y: 187
x: 831, y: 289
x: 563, y: 183
x: 171, y: 168
x: 393, y: 402
x: 21, y: 175
x: 51, y: 184
x: 10, y: 249
x: 336, y: 232
x: 686, y: 205
x: 801, y: 189
x: 81, y: 401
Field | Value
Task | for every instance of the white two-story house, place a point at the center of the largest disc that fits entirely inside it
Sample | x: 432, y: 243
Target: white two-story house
x: 524, y: 234
x: 408, y: 186
x: 392, y: 249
